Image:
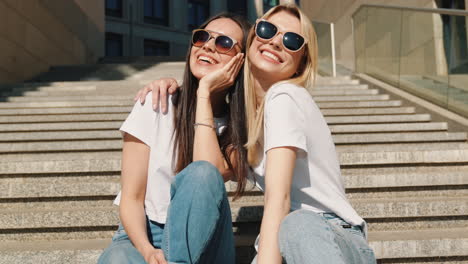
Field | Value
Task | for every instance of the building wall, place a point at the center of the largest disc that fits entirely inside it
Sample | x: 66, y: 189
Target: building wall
x: 134, y: 30
x: 36, y: 34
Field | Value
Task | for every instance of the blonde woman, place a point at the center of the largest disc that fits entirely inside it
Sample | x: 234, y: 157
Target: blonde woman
x: 307, y: 218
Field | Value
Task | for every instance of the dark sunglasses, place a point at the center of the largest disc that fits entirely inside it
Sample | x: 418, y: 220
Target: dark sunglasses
x: 223, y: 43
x: 291, y: 41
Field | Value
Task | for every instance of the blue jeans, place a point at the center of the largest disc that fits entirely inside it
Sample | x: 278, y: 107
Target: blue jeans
x: 308, y: 237
x: 198, y: 227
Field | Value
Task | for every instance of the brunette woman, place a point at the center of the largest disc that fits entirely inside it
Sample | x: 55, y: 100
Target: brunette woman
x: 173, y: 203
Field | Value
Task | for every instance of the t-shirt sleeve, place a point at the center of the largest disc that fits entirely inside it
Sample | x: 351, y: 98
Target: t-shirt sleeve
x: 284, y: 122
x: 141, y: 122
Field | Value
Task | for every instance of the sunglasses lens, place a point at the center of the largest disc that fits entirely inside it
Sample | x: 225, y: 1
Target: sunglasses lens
x: 224, y: 44
x: 200, y: 37
x: 265, y: 30
x: 293, y: 41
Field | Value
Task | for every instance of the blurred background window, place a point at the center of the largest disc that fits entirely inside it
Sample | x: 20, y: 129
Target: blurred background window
x: 114, y: 8
x: 198, y: 12
x: 155, y: 48
x: 114, y: 44
x: 156, y: 12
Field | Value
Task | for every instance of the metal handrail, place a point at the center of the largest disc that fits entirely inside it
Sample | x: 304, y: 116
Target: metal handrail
x: 442, y: 11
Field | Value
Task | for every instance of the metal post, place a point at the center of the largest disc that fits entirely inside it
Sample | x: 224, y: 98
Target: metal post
x: 332, y: 33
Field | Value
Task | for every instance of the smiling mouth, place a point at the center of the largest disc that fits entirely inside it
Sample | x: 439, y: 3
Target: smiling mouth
x: 207, y: 59
x: 271, y: 56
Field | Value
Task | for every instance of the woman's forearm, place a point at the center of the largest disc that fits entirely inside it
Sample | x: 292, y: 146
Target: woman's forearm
x: 275, y: 210
x: 278, y: 179
x: 133, y: 217
x: 135, y: 160
x: 206, y: 145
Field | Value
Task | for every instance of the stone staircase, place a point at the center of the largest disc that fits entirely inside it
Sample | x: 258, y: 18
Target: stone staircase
x: 60, y: 164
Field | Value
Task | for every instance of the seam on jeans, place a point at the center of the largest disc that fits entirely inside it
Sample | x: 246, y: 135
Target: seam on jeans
x: 196, y: 258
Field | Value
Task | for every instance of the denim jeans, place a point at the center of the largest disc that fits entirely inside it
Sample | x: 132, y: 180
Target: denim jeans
x: 308, y: 237
x: 198, y: 227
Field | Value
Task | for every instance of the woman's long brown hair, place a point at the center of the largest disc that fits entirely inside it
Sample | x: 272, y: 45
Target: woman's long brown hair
x: 234, y: 138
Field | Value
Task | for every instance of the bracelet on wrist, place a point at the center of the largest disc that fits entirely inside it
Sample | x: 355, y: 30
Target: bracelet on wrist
x: 205, y: 125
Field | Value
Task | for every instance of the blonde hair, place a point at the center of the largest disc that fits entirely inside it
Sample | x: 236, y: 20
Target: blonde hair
x: 305, y: 77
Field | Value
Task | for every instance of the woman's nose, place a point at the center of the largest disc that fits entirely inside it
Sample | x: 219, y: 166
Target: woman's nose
x: 210, y: 45
x: 276, y: 41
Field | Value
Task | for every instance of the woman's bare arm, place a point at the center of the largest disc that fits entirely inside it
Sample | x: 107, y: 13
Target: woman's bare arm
x: 279, y: 172
x: 135, y: 159
x: 206, y: 145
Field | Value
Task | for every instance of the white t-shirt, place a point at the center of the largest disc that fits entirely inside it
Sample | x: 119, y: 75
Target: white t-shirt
x: 292, y: 118
x: 155, y: 129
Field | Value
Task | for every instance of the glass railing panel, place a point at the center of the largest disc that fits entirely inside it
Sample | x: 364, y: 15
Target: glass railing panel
x: 383, y: 29
x: 325, y: 62
x: 359, y: 29
x: 424, y: 52
x: 423, y: 61
x: 456, y: 32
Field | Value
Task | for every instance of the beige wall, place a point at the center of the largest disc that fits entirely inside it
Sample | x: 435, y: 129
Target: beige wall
x: 37, y: 34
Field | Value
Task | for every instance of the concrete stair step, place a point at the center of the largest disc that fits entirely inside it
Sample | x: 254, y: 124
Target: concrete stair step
x: 356, y: 104
x: 117, y: 97
x: 372, y: 119
x: 21, y: 137
x: 127, y: 109
x: 114, y: 125
x: 13, y: 140
x: 131, y: 89
x: 403, y: 157
x: 346, y: 87
x: 62, y: 118
x: 375, y: 138
x: 68, y: 126
x: 364, y: 111
x: 85, y: 251
x: 391, y: 147
x: 122, y: 116
x: 89, y: 213
x: 401, y: 180
x: 363, y: 179
x: 381, y: 209
x: 320, y: 92
x: 344, y: 142
x: 331, y: 81
x: 422, y: 245
x: 60, y: 185
x: 350, y: 98
x: 421, y: 181
x: 318, y: 98
x: 381, y: 128
x: 65, y: 110
x: 105, y: 161
x: 22, y: 105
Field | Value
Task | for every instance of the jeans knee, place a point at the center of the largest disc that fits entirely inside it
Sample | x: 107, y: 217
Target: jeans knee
x: 203, y: 173
x: 121, y: 252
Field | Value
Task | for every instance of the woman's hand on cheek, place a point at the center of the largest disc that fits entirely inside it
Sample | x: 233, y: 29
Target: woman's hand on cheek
x: 220, y: 79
